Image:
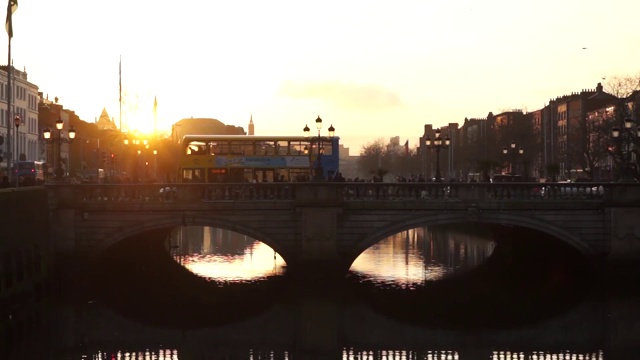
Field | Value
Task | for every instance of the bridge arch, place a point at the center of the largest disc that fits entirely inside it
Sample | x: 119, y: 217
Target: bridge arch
x: 169, y: 221
x: 515, y: 220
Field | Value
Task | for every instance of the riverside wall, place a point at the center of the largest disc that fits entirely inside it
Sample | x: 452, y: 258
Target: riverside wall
x: 25, y: 262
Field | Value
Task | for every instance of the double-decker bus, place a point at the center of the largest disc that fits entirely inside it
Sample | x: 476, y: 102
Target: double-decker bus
x: 250, y: 158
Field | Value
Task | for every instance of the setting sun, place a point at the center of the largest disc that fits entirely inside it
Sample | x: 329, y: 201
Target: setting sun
x: 141, y: 114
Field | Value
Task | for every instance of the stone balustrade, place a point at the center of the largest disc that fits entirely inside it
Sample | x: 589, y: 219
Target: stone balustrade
x: 340, y: 192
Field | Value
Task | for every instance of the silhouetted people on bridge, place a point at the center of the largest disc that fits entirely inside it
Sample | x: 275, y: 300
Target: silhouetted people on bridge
x: 5, y: 182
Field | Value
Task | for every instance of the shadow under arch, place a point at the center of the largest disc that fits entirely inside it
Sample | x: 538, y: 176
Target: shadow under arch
x: 140, y: 279
x: 489, y: 220
x: 536, y: 271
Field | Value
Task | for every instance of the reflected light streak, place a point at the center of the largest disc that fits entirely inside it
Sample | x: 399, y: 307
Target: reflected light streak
x: 415, y: 256
x: 256, y: 262
x: 389, y: 261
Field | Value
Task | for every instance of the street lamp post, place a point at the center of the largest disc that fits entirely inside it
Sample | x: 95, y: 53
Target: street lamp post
x: 514, y: 150
x: 436, y: 145
x: 625, y: 137
x: 319, y: 140
x: 16, y: 122
x: 123, y: 165
x: 138, y: 178
x: 59, y: 172
x: 135, y: 164
x: 155, y: 165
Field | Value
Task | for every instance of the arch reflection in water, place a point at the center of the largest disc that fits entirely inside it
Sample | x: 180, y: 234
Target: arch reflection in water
x: 418, y: 255
x: 223, y: 255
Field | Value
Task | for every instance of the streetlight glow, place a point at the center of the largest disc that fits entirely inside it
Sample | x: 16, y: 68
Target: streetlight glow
x: 515, y: 150
x: 319, y: 141
x: 436, y: 145
x: 625, y: 138
x: 46, y: 134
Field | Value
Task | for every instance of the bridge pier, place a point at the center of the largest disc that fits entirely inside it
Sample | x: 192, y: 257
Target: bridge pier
x: 316, y: 253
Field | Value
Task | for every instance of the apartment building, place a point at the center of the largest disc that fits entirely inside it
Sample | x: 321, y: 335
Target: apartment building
x: 23, y: 142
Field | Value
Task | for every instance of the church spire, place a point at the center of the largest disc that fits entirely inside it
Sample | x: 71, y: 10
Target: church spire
x: 251, y: 127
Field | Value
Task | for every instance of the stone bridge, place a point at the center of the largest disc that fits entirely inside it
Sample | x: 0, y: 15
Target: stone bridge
x: 330, y: 224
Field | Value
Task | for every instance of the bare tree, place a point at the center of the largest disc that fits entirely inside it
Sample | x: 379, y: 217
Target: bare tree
x: 622, y: 85
x: 378, y: 158
x: 596, y: 148
x: 372, y: 156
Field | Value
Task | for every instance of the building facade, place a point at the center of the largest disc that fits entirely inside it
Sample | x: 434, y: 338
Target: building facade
x: 23, y: 142
x: 566, y: 129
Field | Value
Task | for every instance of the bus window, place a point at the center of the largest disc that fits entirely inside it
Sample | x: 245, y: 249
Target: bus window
x: 299, y: 148
x: 219, y: 148
x: 248, y: 175
x: 241, y: 147
x: 265, y: 148
x: 282, y: 147
x: 193, y: 175
x: 196, y: 148
x: 265, y: 175
x: 299, y: 175
x: 327, y: 149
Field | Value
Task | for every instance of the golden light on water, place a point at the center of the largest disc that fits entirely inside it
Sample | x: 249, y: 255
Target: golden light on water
x: 395, y: 260
x: 408, y: 258
x: 414, y: 256
x: 258, y: 261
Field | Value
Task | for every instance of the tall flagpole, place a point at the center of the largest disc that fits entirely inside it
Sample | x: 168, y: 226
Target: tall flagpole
x: 155, y: 116
x: 8, y: 117
x: 9, y: 26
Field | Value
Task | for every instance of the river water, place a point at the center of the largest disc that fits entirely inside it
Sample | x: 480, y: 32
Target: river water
x: 420, y: 294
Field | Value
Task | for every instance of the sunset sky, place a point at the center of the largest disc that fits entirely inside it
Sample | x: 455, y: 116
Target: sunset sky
x: 373, y: 69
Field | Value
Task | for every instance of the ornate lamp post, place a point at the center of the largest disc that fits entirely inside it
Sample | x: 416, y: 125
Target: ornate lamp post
x: 319, y: 141
x: 512, y: 148
x: 625, y: 138
x: 59, y: 172
x: 436, y: 145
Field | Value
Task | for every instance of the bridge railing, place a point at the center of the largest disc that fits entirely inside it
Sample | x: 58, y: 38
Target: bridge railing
x: 475, y: 191
x: 339, y: 192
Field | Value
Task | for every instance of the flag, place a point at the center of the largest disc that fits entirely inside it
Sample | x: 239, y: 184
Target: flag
x: 406, y: 148
x: 12, y: 6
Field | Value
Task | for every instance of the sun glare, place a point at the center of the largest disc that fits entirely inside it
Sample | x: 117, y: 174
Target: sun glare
x: 143, y: 122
